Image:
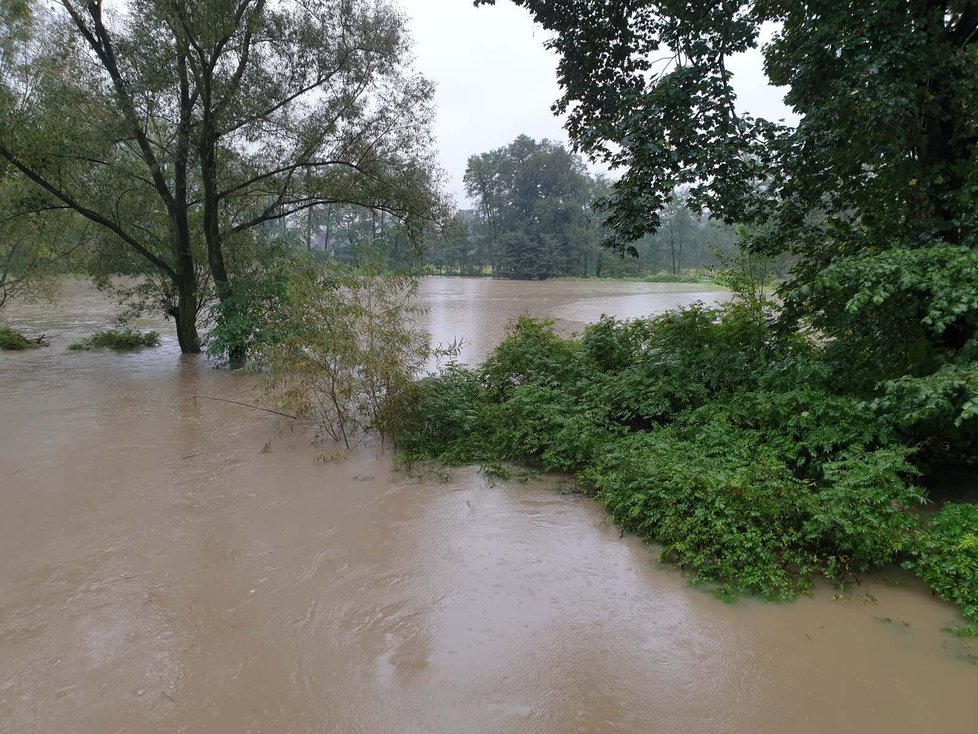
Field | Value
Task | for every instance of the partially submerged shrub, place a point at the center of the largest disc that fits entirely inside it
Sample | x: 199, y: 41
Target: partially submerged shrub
x: 533, y: 353
x: 722, y: 505
x: 342, y: 347
x: 14, y: 341
x: 447, y: 420
x: 945, y: 555
x: 121, y: 340
x: 701, y: 429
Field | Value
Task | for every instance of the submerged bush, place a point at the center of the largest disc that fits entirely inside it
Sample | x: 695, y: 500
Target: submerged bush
x: 945, y: 555
x: 448, y: 418
x: 14, y: 341
x: 121, y: 340
x: 702, y: 429
x: 733, y: 444
x: 340, y: 346
x: 723, y: 506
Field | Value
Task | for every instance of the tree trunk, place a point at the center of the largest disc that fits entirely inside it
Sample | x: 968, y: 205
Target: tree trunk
x: 186, y: 316
x: 237, y: 353
x: 186, y: 280
x: 309, y: 229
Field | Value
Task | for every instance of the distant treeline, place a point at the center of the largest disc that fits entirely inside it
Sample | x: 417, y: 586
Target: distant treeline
x: 534, y: 218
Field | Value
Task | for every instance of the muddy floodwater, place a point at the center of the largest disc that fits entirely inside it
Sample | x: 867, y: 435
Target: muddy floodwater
x: 178, y: 565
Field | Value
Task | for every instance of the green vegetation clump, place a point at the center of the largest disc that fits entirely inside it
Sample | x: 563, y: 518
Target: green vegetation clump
x: 945, y: 555
x: 14, y: 341
x: 337, y: 344
x: 121, y: 340
x: 710, y: 431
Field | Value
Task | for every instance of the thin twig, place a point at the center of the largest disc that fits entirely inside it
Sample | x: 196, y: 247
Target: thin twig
x: 248, y: 405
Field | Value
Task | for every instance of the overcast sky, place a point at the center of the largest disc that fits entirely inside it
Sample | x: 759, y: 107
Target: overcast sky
x: 495, y: 80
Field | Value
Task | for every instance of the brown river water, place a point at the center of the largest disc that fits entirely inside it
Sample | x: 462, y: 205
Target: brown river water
x: 178, y: 565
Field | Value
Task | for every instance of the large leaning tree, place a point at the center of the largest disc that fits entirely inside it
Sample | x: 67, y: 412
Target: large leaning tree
x: 179, y: 127
x: 875, y: 190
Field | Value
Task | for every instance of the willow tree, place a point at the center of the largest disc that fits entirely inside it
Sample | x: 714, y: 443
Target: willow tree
x: 33, y: 247
x: 179, y: 127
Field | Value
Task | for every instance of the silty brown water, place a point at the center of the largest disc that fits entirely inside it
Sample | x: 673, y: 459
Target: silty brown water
x: 162, y: 571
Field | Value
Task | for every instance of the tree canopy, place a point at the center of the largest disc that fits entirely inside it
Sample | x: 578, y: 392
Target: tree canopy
x: 535, y: 218
x: 180, y: 127
x: 880, y: 171
x: 884, y: 89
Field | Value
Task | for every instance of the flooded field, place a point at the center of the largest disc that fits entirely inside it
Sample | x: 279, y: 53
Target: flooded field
x: 171, y: 564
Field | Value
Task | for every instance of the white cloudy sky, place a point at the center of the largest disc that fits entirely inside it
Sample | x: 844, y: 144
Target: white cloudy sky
x: 495, y: 80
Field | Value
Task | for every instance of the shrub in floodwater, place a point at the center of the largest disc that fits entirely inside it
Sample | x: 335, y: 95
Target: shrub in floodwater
x: 14, y: 341
x: 447, y: 417
x: 702, y: 429
x: 339, y: 345
x: 945, y: 555
x: 121, y: 340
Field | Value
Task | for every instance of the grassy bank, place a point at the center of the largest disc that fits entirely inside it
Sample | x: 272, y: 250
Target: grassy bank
x: 710, y: 432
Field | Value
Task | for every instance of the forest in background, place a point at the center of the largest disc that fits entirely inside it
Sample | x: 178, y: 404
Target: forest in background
x: 534, y: 217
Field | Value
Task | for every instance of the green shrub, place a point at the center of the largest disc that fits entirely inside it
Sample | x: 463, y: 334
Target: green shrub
x: 860, y: 517
x: 945, y: 555
x: 807, y: 425
x: 532, y: 353
x: 678, y: 361
x: 703, y: 429
x: 728, y: 507
x: 447, y: 419
x: 545, y: 425
x: 14, y: 341
x: 121, y: 340
x: 722, y: 505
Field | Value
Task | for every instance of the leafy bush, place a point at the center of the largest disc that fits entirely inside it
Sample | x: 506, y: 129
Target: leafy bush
x: 121, y: 340
x: 945, y: 555
x: 859, y: 519
x: 14, y: 341
x: 807, y: 425
x: 342, y: 347
x: 533, y: 353
x: 939, y: 402
x: 724, y: 506
x: 703, y: 429
x: 541, y: 424
x: 447, y: 419
x: 677, y: 361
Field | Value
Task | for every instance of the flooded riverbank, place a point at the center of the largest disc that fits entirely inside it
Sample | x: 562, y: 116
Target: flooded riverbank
x: 178, y: 565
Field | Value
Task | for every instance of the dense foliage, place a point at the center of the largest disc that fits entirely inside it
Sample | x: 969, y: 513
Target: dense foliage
x: 945, y: 555
x: 707, y: 430
x: 178, y: 129
x: 120, y: 340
